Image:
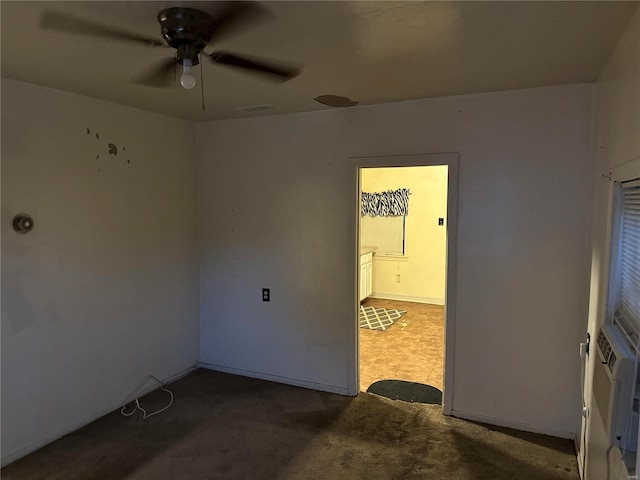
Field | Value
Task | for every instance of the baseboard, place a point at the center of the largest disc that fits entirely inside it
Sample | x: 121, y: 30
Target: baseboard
x: 576, y: 445
x: 32, y: 447
x: 407, y: 298
x: 277, y: 378
x: 618, y: 467
x: 525, y: 427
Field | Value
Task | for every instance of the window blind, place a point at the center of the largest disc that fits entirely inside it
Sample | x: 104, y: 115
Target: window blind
x: 627, y: 312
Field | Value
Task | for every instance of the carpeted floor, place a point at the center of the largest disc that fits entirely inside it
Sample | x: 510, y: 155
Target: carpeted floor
x: 411, y: 349
x: 228, y: 427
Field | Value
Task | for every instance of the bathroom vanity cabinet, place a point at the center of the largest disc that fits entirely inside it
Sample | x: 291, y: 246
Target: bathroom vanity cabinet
x: 366, y: 272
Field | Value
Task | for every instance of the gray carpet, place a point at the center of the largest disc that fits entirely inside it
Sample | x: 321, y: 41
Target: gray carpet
x: 228, y: 427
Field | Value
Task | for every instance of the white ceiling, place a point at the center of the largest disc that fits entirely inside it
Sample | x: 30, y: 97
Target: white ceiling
x: 372, y: 52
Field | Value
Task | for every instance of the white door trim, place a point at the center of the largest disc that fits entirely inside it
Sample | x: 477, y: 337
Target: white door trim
x: 431, y: 159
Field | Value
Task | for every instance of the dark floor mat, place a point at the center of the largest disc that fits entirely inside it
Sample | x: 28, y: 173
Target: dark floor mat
x: 406, y: 391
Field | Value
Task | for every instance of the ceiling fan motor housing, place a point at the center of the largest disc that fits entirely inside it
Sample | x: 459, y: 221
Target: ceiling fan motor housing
x: 187, y: 30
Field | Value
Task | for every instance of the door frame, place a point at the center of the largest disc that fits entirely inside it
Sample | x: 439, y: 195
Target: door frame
x: 451, y: 160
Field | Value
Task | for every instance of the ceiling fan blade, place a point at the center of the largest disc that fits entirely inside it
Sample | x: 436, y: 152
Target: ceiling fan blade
x: 61, y: 22
x: 234, y: 15
x: 271, y: 68
x: 162, y: 74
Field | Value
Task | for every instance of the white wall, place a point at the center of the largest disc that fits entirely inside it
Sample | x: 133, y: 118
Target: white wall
x: 617, y: 141
x: 422, y: 270
x: 275, y: 211
x: 104, y: 290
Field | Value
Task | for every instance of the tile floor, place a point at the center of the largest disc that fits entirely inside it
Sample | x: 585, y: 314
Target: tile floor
x: 411, y: 349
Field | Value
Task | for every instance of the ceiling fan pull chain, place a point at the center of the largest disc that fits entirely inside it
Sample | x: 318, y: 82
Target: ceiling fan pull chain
x: 202, y: 81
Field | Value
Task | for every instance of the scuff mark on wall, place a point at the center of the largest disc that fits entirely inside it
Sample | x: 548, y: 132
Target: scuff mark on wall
x: 112, y: 148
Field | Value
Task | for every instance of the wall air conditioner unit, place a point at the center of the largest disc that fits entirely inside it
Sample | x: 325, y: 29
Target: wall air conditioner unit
x: 613, y: 382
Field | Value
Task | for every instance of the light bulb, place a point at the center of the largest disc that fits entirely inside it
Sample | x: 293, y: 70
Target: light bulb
x: 187, y: 80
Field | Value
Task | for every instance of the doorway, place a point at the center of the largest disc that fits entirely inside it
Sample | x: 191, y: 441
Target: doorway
x: 405, y: 232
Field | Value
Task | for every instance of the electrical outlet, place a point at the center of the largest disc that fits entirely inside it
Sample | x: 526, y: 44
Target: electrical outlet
x: 266, y: 294
x: 441, y: 221
x: 397, y: 278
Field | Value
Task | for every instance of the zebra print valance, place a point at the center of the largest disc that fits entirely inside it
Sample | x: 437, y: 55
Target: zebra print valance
x: 391, y: 203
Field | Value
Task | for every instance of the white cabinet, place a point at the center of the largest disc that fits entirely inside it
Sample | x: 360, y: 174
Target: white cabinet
x: 369, y: 277
x: 366, y: 275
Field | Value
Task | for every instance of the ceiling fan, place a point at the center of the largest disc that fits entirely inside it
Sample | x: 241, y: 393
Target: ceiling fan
x: 188, y: 31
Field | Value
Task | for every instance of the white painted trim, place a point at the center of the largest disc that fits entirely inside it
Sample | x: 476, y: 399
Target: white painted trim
x: 277, y: 378
x: 626, y: 171
x: 525, y: 427
x: 576, y: 445
x: 407, y: 298
x: 613, y: 245
x: 622, y: 173
x: 451, y: 286
x: 451, y: 160
x: 391, y: 258
x: 32, y: 447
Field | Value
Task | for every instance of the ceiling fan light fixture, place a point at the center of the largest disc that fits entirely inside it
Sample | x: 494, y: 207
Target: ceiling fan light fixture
x: 187, y: 80
x: 188, y: 31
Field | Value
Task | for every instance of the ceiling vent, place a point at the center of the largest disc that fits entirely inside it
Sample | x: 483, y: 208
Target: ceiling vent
x: 257, y: 108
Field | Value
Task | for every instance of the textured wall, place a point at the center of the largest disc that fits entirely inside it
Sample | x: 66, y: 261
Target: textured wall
x: 275, y: 196
x: 104, y: 290
x: 422, y: 272
x: 616, y: 142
